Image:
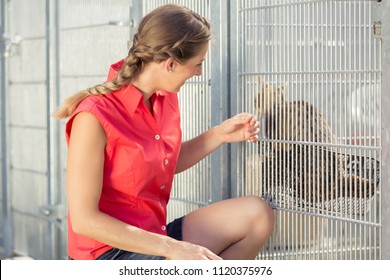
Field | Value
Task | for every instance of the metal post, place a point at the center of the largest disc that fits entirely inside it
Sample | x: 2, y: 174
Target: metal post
x: 57, y: 177
x: 49, y: 200
x: 233, y: 81
x: 382, y: 11
x: 220, y: 97
x: 6, y: 206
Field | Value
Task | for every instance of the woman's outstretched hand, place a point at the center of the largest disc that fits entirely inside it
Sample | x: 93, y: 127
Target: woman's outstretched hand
x: 241, y: 127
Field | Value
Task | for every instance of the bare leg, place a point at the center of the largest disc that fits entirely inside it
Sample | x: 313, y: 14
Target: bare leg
x: 233, y: 229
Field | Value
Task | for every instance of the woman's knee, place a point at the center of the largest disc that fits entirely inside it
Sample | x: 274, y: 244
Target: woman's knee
x: 261, y: 215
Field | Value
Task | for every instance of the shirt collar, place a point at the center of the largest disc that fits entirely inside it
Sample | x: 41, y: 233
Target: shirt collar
x: 129, y: 95
x: 114, y: 69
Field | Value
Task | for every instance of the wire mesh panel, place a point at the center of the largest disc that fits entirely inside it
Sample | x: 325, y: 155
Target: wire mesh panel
x: 311, y: 71
x: 192, y: 188
x: 27, y: 127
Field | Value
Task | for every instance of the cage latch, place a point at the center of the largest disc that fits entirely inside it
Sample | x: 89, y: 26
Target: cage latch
x: 377, y: 26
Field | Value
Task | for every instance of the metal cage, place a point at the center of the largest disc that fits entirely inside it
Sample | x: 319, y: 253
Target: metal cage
x: 311, y: 71
x: 314, y: 71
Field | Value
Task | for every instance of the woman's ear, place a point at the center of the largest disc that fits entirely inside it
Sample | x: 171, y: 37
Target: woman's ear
x: 170, y: 64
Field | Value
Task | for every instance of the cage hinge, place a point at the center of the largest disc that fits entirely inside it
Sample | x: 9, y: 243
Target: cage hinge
x: 377, y: 28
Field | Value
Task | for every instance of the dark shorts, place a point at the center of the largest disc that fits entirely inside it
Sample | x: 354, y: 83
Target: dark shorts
x: 174, y: 230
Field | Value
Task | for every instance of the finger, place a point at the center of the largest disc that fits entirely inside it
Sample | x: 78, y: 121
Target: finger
x: 253, y: 120
x: 255, y: 128
x: 210, y: 255
x: 254, y: 139
x: 213, y: 257
x: 256, y: 131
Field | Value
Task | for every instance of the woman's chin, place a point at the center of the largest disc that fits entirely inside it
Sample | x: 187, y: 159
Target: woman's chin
x: 176, y: 90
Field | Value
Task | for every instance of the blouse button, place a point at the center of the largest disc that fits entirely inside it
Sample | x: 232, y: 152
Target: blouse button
x: 157, y: 137
x: 163, y: 228
x: 166, y: 161
x: 162, y: 187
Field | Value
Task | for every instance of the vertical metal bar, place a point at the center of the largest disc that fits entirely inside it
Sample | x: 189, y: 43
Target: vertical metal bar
x: 319, y: 31
x: 238, y: 54
x: 305, y: 124
x: 6, y: 205
x: 291, y: 134
x: 381, y: 156
x: 49, y: 200
x: 286, y: 19
x: 366, y: 132
x: 353, y: 183
x: 368, y: 236
x: 348, y: 199
x: 280, y: 44
x: 57, y: 181
x: 314, y: 230
x: 374, y: 215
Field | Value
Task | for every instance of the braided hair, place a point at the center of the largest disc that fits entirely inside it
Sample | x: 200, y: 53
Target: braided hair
x: 170, y: 31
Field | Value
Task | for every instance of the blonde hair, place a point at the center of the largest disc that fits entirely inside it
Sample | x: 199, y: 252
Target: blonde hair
x: 170, y: 31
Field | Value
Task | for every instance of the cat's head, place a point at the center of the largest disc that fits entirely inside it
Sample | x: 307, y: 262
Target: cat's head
x: 268, y: 97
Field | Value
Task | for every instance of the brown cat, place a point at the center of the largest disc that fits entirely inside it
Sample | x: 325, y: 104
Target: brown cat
x: 303, y: 159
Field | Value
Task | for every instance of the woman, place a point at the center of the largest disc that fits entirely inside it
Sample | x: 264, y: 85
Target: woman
x: 124, y: 147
